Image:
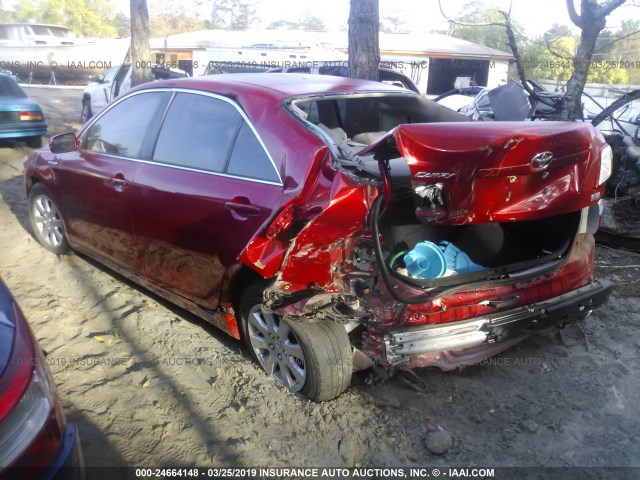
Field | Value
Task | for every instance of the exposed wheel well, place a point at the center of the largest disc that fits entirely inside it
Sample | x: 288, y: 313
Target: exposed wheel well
x: 32, y: 182
x: 240, y: 281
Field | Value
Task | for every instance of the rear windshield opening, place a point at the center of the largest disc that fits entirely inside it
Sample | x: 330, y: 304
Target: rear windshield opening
x: 363, y: 119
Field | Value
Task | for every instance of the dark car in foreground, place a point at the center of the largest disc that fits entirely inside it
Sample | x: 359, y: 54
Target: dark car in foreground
x: 36, y: 442
x: 333, y: 224
x: 21, y: 118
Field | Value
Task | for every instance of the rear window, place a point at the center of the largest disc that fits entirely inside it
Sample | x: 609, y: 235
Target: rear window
x: 198, y: 133
x: 210, y: 134
x: 9, y: 88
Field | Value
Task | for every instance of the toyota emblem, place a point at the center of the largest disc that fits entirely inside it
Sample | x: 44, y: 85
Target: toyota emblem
x: 541, y: 161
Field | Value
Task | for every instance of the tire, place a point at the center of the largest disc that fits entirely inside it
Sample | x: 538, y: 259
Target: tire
x: 46, y: 221
x: 34, y: 142
x: 312, y: 357
x: 86, y: 112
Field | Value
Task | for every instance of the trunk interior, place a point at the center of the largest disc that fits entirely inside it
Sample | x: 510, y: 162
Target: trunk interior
x: 523, y: 244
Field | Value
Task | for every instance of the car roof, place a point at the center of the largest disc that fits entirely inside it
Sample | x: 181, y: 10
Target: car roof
x: 280, y: 85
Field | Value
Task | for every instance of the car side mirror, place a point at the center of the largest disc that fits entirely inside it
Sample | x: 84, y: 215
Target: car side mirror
x: 66, y: 142
x: 95, y: 78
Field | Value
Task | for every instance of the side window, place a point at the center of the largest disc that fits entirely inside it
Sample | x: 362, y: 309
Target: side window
x: 249, y: 158
x: 198, y: 132
x: 110, y: 74
x: 123, y: 129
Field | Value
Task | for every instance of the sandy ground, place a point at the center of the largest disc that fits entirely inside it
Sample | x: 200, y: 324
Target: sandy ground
x: 150, y: 385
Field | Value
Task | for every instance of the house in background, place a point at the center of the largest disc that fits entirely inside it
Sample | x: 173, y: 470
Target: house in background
x: 436, y: 63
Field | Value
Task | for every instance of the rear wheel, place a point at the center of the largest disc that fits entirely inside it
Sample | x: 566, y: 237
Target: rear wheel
x: 34, y: 142
x: 308, y: 356
x: 46, y: 221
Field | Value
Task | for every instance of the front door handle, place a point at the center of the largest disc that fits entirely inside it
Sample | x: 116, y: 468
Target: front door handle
x: 119, y: 182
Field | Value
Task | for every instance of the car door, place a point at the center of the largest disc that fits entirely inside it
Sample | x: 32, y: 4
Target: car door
x: 101, y: 94
x: 210, y: 186
x: 94, y: 182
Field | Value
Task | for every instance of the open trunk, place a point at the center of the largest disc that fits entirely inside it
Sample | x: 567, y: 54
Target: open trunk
x: 507, y: 197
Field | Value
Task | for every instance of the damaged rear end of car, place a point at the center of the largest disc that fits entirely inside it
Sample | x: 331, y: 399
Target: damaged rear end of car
x: 441, y: 242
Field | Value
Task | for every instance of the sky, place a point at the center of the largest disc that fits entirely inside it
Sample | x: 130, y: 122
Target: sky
x: 537, y: 16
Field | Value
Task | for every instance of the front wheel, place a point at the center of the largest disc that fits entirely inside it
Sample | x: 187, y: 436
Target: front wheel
x: 312, y: 357
x: 46, y: 221
x: 86, y: 112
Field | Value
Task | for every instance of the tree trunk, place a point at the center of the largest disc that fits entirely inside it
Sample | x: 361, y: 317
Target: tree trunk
x: 572, y: 106
x: 364, y: 47
x: 591, y: 20
x: 140, y: 68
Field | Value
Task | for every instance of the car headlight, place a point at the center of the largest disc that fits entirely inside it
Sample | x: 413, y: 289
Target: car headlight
x: 606, y: 164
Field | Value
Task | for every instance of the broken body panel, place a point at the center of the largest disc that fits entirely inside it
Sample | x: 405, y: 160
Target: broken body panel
x: 323, y: 243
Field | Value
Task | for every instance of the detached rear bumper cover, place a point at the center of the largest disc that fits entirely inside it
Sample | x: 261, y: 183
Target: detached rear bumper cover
x: 498, y: 327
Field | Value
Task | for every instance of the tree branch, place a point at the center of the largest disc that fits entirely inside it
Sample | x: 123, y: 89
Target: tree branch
x: 516, y: 54
x: 466, y: 24
x: 622, y: 101
x: 607, y: 8
x: 565, y: 55
x: 615, y: 40
x: 573, y: 14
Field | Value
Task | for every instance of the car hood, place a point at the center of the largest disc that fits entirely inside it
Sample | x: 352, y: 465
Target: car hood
x: 8, y: 320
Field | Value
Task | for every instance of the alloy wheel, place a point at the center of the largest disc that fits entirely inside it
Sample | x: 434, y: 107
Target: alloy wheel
x: 277, y: 348
x: 47, y: 221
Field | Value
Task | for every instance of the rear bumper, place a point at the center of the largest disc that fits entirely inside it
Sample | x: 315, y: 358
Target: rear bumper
x: 14, y: 130
x: 69, y: 461
x: 517, y: 323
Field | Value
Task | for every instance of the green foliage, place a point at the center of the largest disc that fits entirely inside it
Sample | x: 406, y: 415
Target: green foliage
x: 492, y: 36
x: 5, y: 15
x: 122, y: 24
x: 283, y: 25
x: 616, y: 59
x: 550, y: 57
x: 308, y: 22
x: 84, y: 17
x: 232, y: 14
x: 168, y: 24
x: 311, y: 22
x: 392, y: 24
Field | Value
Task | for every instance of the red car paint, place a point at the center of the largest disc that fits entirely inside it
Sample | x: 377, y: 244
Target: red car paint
x: 189, y: 236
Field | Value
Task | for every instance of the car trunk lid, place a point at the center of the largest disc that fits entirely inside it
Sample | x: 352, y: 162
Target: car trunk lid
x: 483, y: 172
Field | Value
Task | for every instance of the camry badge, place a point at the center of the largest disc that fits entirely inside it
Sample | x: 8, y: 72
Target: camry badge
x: 541, y: 161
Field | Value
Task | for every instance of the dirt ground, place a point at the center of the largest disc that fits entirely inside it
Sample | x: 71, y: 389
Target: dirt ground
x: 150, y: 385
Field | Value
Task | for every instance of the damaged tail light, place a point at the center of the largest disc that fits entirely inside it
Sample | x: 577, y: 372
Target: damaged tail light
x: 281, y: 222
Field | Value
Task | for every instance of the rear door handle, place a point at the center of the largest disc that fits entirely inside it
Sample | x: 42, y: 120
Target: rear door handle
x: 242, y: 208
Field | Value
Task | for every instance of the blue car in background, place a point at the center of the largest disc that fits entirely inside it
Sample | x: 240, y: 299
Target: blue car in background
x: 36, y: 442
x: 21, y: 118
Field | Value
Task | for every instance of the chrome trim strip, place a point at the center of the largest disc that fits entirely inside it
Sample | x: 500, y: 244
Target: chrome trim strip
x: 194, y: 92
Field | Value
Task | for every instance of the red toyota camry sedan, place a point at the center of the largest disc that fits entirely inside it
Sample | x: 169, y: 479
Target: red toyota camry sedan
x: 332, y: 224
